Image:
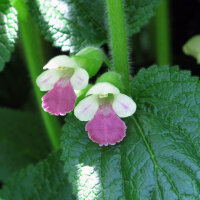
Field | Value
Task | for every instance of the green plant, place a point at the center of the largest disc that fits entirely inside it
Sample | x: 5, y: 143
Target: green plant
x: 156, y: 157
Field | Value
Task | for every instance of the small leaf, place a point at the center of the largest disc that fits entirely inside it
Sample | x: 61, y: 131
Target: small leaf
x: 139, y: 13
x: 8, y: 31
x: 44, y: 181
x: 22, y: 141
x: 159, y: 157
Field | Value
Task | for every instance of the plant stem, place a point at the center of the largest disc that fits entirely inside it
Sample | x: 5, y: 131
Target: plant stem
x: 32, y: 45
x: 107, y: 61
x: 119, y: 40
x: 163, y: 47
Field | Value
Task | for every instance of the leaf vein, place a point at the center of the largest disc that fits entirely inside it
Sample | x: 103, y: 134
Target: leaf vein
x: 156, y: 166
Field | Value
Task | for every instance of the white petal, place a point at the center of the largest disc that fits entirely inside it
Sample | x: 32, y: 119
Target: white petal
x: 79, y: 79
x: 60, y: 61
x: 103, y: 88
x: 47, y: 79
x: 123, y: 105
x: 86, y: 108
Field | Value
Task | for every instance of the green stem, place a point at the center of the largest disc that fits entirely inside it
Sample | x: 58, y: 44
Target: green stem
x: 163, y: 47
x: 119, y: 39
x: 107, y: 61
x: 34, y: 57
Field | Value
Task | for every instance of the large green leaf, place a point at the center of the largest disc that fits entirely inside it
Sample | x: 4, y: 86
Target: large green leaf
x: 74, y: 24
x: 44, y: 181
x: 158, y: 159
x: 70, y: 24
x: 22, y: 141
x: 8, y: 31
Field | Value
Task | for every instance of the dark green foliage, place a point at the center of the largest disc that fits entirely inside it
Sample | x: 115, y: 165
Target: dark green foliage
x: 22, y: 141
x: 75, y: 24
x: 8, y: 31
x: 44, y: 181
x: 70, y: 24
x: 138, y: 13
x: 158, y: 159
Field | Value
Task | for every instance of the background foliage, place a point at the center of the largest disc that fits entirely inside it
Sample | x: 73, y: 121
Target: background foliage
x: 8, y: 31
x: 69, y: 24
x: 158, y: 159
x: 21, y: 143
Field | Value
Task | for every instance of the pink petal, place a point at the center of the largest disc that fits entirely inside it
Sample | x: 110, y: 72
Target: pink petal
x: 106, y: 127
x: 61, y: 99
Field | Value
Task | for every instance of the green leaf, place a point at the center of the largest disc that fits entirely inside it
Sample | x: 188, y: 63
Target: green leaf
x: 159, y: 157
x: 70, y: 24
x: 139, y: 12
x: 44, y: 181
x: 22, y: 141
x: 75, y: 24
x: 8, y: 31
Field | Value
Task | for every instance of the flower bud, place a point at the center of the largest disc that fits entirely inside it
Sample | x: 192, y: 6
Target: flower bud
x: 112, y: 78
x: 90, y: 59
x: 192, y: 47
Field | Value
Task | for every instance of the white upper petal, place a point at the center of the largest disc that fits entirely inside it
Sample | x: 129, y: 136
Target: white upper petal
x: 103, y: 88
x: 86, y: 109
x: 47, y: 79
x: 61, y: 61
x: 123, y: 105
x: 79, y: 79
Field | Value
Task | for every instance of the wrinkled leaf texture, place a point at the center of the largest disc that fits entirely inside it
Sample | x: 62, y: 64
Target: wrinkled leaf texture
x: 8, y: 31
x: 44, y: 181
x: 158, y: 159
x: 75, y: 24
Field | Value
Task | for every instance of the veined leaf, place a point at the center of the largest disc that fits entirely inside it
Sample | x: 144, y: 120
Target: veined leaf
x: 44, y: 181
x: 75, y: 24
x: 139, y: 13
x: 8, y: 31
x: 70, y: 24
x: 22, y: 141
x: 159, y: 157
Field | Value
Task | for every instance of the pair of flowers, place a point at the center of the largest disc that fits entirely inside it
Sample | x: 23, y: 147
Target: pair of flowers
x: 102, y: 107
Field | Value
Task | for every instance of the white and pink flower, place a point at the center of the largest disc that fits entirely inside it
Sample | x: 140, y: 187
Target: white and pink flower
x: 62, y: 77
x: 102, y: 109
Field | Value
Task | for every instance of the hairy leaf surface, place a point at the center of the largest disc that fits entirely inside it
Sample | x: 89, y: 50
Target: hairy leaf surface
x: 44, y: 181
x: 8, y: 31
x: 22, y: 141
x: 70, y: 24
x: 158, y: 159
x: 74, y: 24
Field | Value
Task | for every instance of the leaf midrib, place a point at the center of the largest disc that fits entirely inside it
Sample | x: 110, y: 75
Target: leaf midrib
x: 152, y: 156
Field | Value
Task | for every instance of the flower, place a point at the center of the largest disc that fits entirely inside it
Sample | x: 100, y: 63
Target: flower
x: 61, y: 78
x: 102, y: 109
